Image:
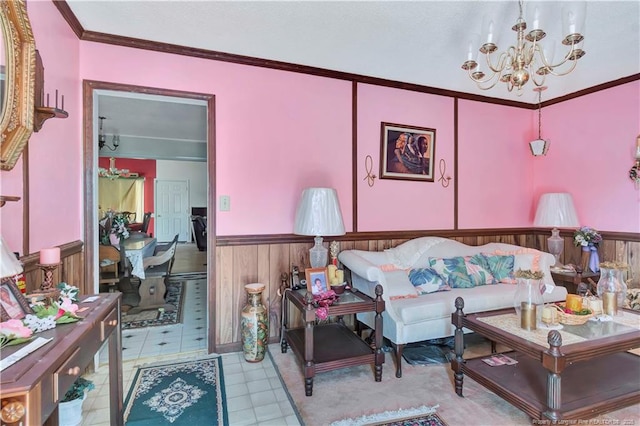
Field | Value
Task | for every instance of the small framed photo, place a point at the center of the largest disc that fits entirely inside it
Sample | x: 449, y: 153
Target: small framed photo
x: 407, y: 152
x: 13, y: 304
x: 317, y: 280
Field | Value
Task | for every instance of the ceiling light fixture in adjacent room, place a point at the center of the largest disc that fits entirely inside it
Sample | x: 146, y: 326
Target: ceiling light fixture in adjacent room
x: 102, y: 138
x: 527, y: 59
x: 539, y: 146
x: 113, y: 172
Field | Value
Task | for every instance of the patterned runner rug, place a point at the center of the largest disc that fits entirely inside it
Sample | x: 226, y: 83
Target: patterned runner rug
x: 184, y: 393
x: 153, y: 317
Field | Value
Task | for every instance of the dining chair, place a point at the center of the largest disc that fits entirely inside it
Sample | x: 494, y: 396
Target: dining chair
x: 109, y: 257
x: 157, y: 270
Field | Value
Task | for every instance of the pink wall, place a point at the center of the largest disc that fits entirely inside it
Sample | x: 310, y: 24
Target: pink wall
x: 592, y: 149
x: 395, y: 204
x: 278, y: 132
x: 495, y: 176
x: 55, y: 153
x: 147, y: 170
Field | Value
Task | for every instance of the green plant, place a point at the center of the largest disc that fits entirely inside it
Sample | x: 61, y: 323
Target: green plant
x: 78, y: 389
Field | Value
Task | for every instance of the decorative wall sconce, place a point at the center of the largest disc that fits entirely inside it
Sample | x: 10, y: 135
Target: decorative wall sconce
x: 368, y: 165
x: 634, y: 173
x: 44, y: 111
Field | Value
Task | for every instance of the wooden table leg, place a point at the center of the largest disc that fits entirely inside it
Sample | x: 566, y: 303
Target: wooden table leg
x: 457, y: 363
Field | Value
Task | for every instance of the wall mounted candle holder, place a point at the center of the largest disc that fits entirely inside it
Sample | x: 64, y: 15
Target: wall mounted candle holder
x: 44, y: 111
x: 634, y: 173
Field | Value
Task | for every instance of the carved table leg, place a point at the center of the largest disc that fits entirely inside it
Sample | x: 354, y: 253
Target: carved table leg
x: 379, y: 355
x: 456, y: 364
x: 553, y: 362
x: 309, y: 365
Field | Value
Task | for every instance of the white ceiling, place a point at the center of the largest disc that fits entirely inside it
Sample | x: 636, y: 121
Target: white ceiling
x: 419, y: 42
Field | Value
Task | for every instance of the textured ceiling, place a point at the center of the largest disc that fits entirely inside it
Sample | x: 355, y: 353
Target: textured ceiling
x: 419, y: 42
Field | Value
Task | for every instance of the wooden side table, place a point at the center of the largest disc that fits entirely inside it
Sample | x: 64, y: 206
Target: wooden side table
x: 570, y: 280
x: 326, y: 347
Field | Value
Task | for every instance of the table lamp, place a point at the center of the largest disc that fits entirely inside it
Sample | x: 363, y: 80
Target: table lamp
x: 556, y: 210
x: 318, y: 215
x: 9, y: 265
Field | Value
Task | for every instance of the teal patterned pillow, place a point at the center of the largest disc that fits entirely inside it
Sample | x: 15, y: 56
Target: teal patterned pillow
x: 478, y: 270
x: 501, y: 266
x: 427, y: 280
x: 453, y: 270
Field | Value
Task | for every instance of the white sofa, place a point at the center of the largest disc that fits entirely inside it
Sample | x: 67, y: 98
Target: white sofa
x: 413, y: 318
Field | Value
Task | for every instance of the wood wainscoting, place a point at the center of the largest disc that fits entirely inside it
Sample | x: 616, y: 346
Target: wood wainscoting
x: 241, y: 260
x: 248, y: 259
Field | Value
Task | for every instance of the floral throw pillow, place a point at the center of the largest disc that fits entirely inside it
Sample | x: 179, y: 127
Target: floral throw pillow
x: 478, y: 270
x: 453, y: 270
x: 427, y: 280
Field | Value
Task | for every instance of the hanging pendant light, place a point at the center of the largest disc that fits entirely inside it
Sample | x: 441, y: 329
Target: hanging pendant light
x: 539, y: 146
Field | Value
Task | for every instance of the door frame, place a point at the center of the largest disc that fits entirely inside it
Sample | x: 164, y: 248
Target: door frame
x: 90, y: 177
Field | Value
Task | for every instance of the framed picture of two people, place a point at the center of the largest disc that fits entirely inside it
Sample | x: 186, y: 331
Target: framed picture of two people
x: 407, y: 152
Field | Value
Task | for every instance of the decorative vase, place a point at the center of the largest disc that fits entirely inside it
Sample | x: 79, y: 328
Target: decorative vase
x: 114, y: 239
x: 255, y: 324
x: 612, y: 290
x: 528, y: 303
x: 584, y: 260
x: 594, y: 259
x: 70, y: 412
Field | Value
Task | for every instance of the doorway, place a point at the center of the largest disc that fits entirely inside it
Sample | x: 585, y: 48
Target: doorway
x: 91, y: 90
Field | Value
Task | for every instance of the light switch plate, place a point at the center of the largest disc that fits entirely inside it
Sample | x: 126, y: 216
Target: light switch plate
x: 225, y: 203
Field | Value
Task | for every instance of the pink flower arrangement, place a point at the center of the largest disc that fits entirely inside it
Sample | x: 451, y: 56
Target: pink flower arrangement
x: 13, y: 332
x: 323, y: 301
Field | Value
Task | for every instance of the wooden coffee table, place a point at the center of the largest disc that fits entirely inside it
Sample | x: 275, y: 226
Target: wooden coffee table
x: 326, y: 347
x: 575, y: 373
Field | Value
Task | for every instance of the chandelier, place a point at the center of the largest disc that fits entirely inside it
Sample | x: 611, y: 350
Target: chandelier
x: 113, y: 172
x: 102, y: 138
x: 528, y: 59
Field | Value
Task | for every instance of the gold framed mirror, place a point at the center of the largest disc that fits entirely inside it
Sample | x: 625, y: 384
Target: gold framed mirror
x: 18, y: 59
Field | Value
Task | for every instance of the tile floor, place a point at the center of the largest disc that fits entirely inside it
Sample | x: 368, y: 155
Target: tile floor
x: 255, y: 395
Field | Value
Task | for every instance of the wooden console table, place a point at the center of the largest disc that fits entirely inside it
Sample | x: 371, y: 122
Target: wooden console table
x: 38, y: 381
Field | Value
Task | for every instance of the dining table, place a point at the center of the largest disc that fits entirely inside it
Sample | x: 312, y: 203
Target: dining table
x: 136, y: 249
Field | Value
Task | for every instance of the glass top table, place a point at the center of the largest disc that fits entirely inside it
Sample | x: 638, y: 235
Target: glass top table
x: 576, y: 372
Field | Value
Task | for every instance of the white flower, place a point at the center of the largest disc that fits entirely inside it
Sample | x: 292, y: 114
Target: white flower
x: 39, y: 324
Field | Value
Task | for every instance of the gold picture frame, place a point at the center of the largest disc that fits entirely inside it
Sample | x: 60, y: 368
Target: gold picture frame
x: 18, y: 102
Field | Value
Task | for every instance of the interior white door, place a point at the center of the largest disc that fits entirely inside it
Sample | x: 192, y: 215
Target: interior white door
x: 172, y: 210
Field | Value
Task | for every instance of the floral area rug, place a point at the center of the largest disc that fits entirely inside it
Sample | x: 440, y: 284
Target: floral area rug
x: 154, y: 317
x: 184, y: 393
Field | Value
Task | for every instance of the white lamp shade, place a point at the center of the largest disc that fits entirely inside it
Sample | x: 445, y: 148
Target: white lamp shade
x: 556, y: 210
x: 9, y: 265
x: 319, y: 213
